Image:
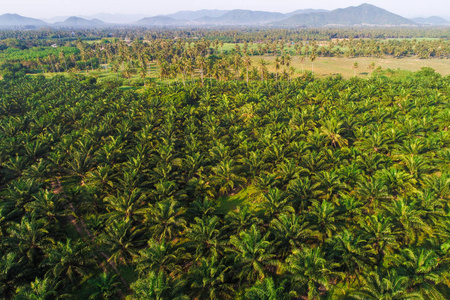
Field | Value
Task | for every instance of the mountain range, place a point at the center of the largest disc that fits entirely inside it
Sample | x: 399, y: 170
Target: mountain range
x: 364, y: 14
x: 18, y: 21
x: 76, y: 22
x: 434, y: 20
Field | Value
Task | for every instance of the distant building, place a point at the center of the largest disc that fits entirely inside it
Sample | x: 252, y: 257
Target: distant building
x: 55, y: 46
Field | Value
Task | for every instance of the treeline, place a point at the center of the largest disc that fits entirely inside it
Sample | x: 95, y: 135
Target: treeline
x: 186, y: 59
x: 318, y: 189
x: 227, y: 34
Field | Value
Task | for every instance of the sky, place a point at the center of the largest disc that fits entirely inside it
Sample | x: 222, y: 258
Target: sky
x: 52, y: 8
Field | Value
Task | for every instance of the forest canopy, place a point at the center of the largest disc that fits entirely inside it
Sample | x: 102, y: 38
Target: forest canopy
x: 275, y: 189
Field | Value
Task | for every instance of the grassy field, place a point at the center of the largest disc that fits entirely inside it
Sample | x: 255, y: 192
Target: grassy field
x: 326, y: 66
x: 231, y: 202
x: 323, y: 66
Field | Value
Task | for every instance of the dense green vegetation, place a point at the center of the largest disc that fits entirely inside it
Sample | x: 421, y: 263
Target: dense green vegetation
x: 224, y: 172
x: 187, y: 59
x: 275, y: 189
x: 39, y: 37
x: 35, y: 53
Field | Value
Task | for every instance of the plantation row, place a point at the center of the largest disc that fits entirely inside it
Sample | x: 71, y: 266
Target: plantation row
x: 318, y: 189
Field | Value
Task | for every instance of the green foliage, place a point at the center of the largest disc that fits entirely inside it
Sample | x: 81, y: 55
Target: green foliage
x: 14, y: 54
x: 13, y: 71
x: 275, y: 189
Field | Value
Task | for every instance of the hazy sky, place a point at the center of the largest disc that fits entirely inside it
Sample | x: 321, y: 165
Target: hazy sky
x: 51, y: 8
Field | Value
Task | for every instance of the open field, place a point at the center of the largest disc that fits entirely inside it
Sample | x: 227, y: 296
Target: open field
x: 323, y: 67
x: 326, y: 66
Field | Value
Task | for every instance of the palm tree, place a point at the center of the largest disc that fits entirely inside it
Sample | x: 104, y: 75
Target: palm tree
x: 324, y: 219
x: 127, y: 207
x: 397, y: 182
x: 388, y: 287
x: 274, y: 202
x: 312, y: 57
x: 160, y: 256
x: 330, y: 184
x: 332, y: 131
x: 262, y: 68
x: 69, y: 261
x: 291, y: 231
x: 104, y: 286
x: 310, y: 272
x: 201, y: 63
x: 121, y: 240
x: 204, y: 236
x: 424, y: 271
x: 128, y: 72
x: 408, y: 220
x: 166, y: 219
x: 355, y: 67
x: 29, y: 238
x: 208, y: 280
x: 157, y: 286
x: 47, y: 206
x: 12, y: 273
x: 225, y: 176
x: 143, y: 72
x: 378, y: 231
x: 253, y: 254
x: 302, y: 191
x: 39, y: 290
x: 241, y: 219
x: 266, y: 290
x: 277, y: 67
x: 247, y: 65
x: 352, y: 250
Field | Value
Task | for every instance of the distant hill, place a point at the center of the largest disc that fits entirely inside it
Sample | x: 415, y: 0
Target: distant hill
x: 15, y: 20
x: 77, y: 22
x: 192, y: 15
x: 365, y: 14
x: 304, y: 11
x: 56, y: 19
x: 431, y: 21
x: 243, y: 17
x: 116, y: 18
x: 107, y: 18
x: 159, y: 21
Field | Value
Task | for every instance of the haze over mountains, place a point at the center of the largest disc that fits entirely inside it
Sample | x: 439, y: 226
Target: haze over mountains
x: 362, y: 15
x: 434, y: 20
x: 15, y: 20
